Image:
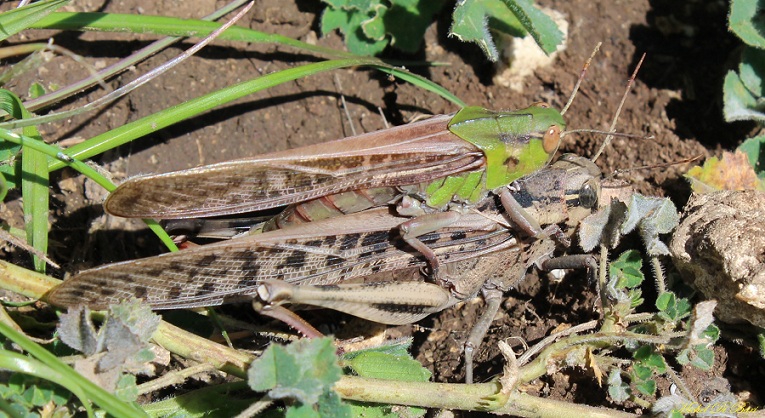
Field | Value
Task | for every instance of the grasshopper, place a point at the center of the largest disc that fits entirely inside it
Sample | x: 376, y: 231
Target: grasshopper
x: 312, y: 263
x: 434, y: 169
x: 442, y: 165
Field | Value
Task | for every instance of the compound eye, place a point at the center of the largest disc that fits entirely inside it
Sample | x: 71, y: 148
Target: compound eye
x: 588, y: 196
x: 551, y: 139
x: 543, y: 105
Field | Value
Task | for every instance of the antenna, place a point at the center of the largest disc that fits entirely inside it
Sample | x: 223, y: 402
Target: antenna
x: 619, y: 109
x: 581, y: 78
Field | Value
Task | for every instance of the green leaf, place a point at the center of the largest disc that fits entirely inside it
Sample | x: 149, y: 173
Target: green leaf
x: 472, y: 20
x: 738, y: 102
x: 656, y: 362
x: 302, y: 371
x: 331, y: 405
x: 209, y: 401
x: 470, y: 24
x: 389, y: 361
x: 641, y: 372
x: 126, y: 390
x: 540, y: 26
x: 301, y: 410
x: 647, y: 387
x: 627, y: 269
x: 747, y: 21
x: 36, y: 90
x: 636, y: 297
x: 642, y: 353
x: 671, y: 308
x: 503, y: 20
x: 712, y: 333
x: 683, y: 307
x: 349, y: 19
x: 618, y: 390
x: 16, y: 20
x: 665, y: 300
x: 374, y: 27
x: 8, y: 164
x: 36, y: 396
x: 752, y: 70
x: 743, y: 92
x: 262, y: 374
x: 704, y: 359
x: 369, y: 26
x: 754, y: 148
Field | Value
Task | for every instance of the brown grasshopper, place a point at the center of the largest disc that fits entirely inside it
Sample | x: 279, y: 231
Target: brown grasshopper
x: 312, y: 263
x: 435, y: 170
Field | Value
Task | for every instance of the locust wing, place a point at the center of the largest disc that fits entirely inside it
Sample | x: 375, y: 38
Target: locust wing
x: 322, y: 252
x: 408, y: 154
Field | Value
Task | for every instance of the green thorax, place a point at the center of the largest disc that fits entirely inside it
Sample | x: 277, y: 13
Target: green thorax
x: 516, y: 143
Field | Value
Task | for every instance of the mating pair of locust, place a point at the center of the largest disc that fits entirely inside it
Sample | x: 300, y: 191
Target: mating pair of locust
x: 441, y: 167
x: 446, y: 172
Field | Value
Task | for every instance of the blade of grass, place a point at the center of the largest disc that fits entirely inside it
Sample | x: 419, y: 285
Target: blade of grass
x: 34, y: 193
x: 171, y: 26
x: 34, y: 181
x: 16, y: 20
x: 18, y: 363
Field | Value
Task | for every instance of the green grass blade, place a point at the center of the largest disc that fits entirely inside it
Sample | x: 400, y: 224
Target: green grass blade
x: 420, y: 82
x: 16, y: 20
x: 171, y: 26
x: 34, y: 180
x: 34, y: 192
x: 18, y: 363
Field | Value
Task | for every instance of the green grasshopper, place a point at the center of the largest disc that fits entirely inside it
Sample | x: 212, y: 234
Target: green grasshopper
x: 446, y: 162
x: 296, y: 264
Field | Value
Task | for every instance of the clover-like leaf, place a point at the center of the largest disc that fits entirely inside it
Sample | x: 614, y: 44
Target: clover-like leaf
x: 303, y: 371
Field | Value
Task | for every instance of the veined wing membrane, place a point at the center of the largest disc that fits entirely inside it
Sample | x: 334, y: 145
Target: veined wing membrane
x: 322, y: 252
x: 408, y: 154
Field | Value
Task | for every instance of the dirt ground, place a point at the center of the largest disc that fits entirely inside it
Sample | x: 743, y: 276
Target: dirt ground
x: 676, y: 99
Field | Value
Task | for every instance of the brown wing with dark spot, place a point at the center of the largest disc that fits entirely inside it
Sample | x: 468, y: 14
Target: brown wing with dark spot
x: 231, y: 271
x: 408, y: 154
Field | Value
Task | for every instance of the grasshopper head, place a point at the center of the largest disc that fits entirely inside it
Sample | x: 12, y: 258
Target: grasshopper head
x: 582, y: 187
x: 567, y: 191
